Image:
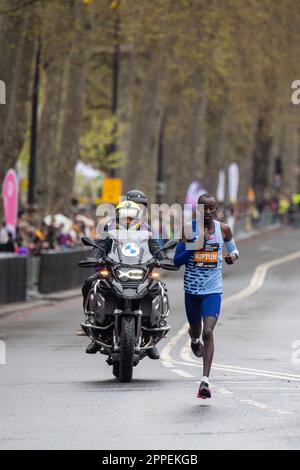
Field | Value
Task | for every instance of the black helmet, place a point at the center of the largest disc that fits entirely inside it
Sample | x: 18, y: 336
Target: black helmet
x: 137, y: 196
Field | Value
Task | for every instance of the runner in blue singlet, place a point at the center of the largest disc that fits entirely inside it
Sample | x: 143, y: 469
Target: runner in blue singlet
x: 203, y: 284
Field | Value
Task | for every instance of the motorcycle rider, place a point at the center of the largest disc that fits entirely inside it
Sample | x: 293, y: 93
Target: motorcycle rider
x: 139, y: 198
x: 128, y: 216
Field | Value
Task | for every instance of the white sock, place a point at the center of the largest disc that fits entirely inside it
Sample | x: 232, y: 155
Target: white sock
x: 205, y: 379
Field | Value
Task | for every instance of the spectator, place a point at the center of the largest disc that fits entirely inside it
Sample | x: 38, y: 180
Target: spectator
x: 10, y: 246
x: 3, y: 234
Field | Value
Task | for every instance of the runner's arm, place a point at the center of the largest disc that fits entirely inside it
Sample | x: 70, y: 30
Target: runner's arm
x: 230, y: 245
x: 181, y: 254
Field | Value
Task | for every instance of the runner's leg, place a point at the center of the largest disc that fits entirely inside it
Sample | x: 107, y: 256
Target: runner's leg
x: 209, y: 324
x: 193, y: 312
x: 195, y: 330
x: 211, y: 307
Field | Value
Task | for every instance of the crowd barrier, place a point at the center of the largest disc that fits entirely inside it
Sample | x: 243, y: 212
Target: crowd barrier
x: 59, y: 271
x: 13, y: 278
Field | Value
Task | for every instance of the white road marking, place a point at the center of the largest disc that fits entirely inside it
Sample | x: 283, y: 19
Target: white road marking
x: 263, y: 406
x: 241, y: 371
x: 288, y: 376
x: 183, y: 373
x: 167, y: 364
x: 166, y: 352
x: 266, y: 388
x: 282, y: 395
x: 186, y: 355
x: 259, y: 278
x: 256, y: 283
x: 236, y: 370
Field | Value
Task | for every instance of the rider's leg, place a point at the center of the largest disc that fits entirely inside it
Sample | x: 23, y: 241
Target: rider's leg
x: 88, y: 284
x: 153, y: 353
x: 92, y: 348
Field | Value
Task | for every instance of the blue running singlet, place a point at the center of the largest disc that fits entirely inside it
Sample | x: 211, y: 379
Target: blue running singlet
x: 203, y: 273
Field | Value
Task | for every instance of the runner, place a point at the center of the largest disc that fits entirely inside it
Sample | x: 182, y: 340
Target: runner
x: 203, y: 284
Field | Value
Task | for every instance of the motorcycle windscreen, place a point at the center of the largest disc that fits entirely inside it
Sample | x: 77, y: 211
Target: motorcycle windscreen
x: 130, y: 247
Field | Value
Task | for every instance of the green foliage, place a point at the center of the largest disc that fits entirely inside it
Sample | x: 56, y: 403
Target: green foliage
x: 96, y: 146
x: 240, y: 54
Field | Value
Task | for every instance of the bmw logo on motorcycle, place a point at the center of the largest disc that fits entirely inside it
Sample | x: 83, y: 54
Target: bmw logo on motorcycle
x: 130, y: 249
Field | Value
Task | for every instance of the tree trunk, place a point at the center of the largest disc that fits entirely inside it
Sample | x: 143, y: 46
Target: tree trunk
x: 125, y: 102
x: 16, y: 70
x: 261, y: 158
x: 68, y: 149
x: 184, y: 141
x: 141, y: 167
x: 55, y: 44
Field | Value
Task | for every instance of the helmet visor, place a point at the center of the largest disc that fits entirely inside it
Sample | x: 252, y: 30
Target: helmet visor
x: 128, y: 212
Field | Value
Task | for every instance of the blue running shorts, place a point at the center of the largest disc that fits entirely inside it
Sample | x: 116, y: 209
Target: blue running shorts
x: 200, y: 306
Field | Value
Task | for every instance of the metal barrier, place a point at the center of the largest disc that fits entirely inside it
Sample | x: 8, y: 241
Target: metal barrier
x: 59, y: 270
x: 33, y: 272
x: 13, y: 275
x: 295, y: 220
x: 247, y: 224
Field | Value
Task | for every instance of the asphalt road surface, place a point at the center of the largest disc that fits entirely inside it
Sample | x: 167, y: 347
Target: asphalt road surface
x: 54, y: 396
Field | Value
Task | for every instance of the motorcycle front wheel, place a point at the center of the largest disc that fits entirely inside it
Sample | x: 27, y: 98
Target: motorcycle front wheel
x: 127, y: 349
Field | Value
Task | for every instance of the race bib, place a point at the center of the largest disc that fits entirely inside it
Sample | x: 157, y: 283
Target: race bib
x: 207, y: 257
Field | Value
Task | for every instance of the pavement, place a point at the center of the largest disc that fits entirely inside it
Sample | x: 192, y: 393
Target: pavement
x: 39, y: 301
x: 54, y: 396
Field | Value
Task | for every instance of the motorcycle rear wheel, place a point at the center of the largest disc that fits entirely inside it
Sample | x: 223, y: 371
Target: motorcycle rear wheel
x: 127, y: 349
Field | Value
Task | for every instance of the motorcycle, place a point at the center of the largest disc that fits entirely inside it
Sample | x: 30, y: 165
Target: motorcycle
x: 127, y: 309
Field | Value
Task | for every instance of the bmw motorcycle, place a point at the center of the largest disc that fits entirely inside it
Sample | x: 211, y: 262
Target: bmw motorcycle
x: 127, y: 309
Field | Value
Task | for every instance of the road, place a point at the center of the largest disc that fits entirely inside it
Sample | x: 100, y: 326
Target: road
x: 54, y: 396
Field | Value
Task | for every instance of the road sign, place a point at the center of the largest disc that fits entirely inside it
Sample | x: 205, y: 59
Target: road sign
x: 112, y: 190
x: 251, y: 195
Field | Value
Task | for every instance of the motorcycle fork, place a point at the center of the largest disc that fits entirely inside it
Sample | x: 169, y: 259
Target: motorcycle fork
x: 118, y: 318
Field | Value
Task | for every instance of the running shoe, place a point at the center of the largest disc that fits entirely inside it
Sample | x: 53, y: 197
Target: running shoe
x: 204, y: 391
x: 197, y: 349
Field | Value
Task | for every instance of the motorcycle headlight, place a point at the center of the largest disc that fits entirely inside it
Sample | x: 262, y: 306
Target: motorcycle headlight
x: 129, y: 274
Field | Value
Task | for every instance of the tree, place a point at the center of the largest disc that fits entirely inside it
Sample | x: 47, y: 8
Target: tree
x: 17, y: 39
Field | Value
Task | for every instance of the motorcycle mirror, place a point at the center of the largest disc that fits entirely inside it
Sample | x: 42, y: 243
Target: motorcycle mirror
x: 89, y: 242
x: 167, y: 246
x: 88, y: 263
x: 169, y: 267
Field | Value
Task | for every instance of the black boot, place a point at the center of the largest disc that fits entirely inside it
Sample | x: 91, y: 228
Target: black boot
x: 92, y: 348
x: 153, y: 353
